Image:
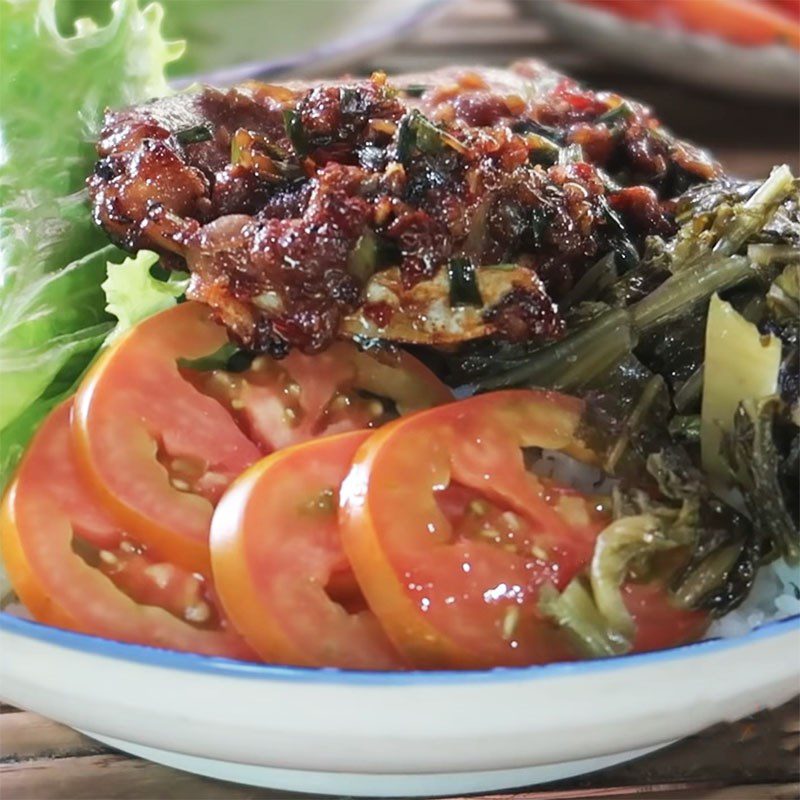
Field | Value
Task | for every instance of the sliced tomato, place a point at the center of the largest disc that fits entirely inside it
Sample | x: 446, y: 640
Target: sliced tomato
x: 74, y: 567
x: 301, y: 397
x: 280, y: 568
x: 161, y: 441
x: 451, y: 537
x: 659, y: 622
x: 159, y: 452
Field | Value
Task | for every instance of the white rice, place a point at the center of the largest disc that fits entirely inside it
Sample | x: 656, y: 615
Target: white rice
x: 775, y: 595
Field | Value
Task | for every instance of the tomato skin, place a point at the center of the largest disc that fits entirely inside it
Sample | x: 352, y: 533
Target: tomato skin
x: 141, y: 411
x: 743, y: 22
x: 659, y: 623
x: 320, y: 393
x: 133, y: 408
x: 48, y: 508
x: 445, y: 600
x: 275, y: 546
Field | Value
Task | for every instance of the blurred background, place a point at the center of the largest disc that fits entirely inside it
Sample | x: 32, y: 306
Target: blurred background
x: 724, y: 73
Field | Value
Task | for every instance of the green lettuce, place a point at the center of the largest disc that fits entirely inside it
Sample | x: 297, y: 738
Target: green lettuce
x: 133, y: 293
x: 52, y: 257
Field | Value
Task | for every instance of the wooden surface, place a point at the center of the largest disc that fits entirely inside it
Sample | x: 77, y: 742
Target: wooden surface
x: 752, y: 760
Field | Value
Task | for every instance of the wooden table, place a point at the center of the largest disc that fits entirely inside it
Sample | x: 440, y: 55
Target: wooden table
x: 751, y: 760
x: 755, y: 759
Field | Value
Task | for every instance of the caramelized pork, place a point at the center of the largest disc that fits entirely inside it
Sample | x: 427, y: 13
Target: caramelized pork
x: 294, y: 207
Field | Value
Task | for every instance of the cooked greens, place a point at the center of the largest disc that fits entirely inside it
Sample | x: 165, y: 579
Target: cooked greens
x: 707, y: 319
x: 762, y: 454
x: 575, y: 611
x: 740, y: 363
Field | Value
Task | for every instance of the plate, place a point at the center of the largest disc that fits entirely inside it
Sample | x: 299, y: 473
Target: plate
x: 694, y: 58
x: 391, y: 734
x: 277, y: 36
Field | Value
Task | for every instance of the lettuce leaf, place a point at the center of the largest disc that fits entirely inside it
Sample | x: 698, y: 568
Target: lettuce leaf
x: 52, y: 257
x: 133, y: 293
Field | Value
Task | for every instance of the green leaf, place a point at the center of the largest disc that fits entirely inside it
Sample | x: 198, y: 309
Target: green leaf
x: 133, y: 294
x: 53, y: 94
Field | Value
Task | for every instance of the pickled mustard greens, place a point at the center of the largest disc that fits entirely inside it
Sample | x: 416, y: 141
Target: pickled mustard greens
x: 708, y: 353
x: 740, y: 363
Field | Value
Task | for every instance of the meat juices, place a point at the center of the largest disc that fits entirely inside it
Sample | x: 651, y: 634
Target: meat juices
x: 272, y: 195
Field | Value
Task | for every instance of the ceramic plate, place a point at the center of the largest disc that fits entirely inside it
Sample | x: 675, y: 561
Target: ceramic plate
x: 694, y: 58
x: 391, y: 734
x: 301, y: 37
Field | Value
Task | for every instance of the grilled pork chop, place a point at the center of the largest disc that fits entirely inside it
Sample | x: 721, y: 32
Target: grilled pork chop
x: 429, y: 208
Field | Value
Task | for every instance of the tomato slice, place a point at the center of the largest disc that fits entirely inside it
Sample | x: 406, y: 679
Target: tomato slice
x: 659, y: 623
x: 159, y: 452
x: 161, y: 440
x: 301, y: 397
x: 451, y: 537
x: 276, y: 547
x: 74, y: 567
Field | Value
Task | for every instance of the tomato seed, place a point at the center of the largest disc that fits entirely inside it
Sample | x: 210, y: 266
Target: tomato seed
x: 160, y: 574
x: 199, y: 612
x: 107, y: 557
x: 510, y: 622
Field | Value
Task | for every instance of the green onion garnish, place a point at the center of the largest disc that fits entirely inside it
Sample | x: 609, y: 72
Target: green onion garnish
x: 295, y: 131
x: 464, y: 289
x: 197, y: 133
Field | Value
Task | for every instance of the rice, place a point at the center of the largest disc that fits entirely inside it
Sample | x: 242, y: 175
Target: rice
x: 775, y: 595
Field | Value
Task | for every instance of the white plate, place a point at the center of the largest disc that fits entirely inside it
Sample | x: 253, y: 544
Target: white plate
x: 360, y: 733
x: 699, y: 59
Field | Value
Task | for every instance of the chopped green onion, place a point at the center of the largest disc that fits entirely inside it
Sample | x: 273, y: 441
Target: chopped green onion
x: 293, y: 123
x: 406, y: 138
x: 617, y: 114
x: 541, y: 149
x: 625, y: 254
x: 429, y: 138
x: 195, y: 134
x: 415, y: 89
x: 571, y: 154
x: 464, y: 289
x: 417, y: 131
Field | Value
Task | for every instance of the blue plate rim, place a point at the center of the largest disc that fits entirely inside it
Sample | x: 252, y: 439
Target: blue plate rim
x: 224, y: 667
